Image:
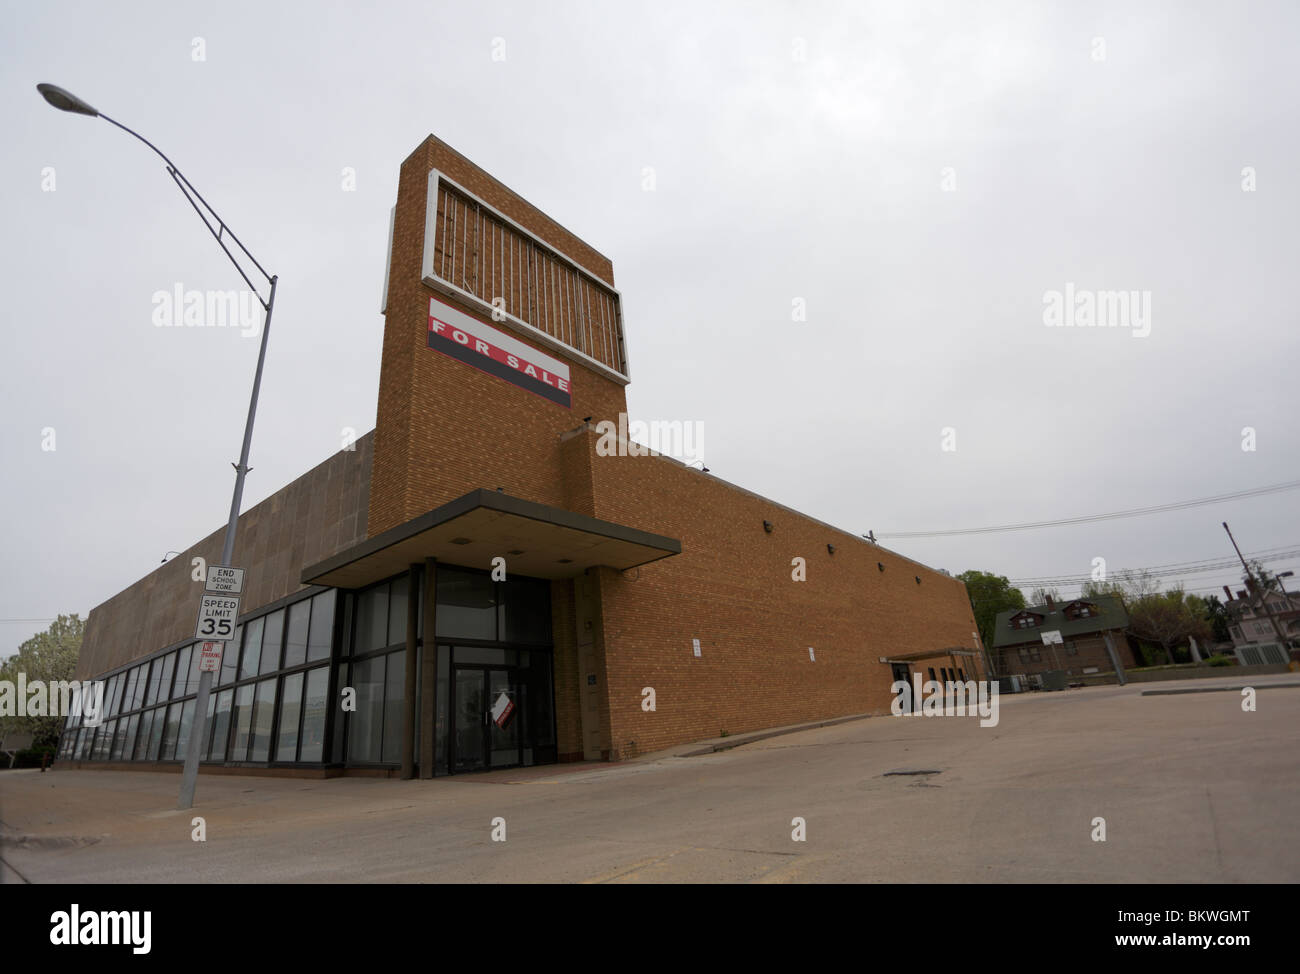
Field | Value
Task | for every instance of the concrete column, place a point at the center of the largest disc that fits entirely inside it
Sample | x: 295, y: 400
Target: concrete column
x: 429, y: 672
x: 412, y: 644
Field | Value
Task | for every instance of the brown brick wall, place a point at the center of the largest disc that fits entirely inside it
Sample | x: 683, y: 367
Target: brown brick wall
x: 731, y: 587
x: 317, y: 515
x: 442, y: 427
x: 1090, y: 651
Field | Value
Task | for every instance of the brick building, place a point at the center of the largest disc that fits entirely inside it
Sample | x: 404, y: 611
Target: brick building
x: 497, y: 576
x: 1083, y: 625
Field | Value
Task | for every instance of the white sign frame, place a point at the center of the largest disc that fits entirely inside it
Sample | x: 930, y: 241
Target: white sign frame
x: 217, y: 609
x: 221, y: 584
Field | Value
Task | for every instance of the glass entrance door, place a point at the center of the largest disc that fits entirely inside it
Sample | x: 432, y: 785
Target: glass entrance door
x: 491, y: 722
x: 505, y: 718
x: 469, y: 740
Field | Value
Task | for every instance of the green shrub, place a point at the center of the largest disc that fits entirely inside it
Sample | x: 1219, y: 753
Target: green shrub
x: 1220, y: 660
x: 29, y: 758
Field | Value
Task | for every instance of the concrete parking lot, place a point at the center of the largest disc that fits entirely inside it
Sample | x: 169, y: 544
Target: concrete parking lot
x: 1192, y: 789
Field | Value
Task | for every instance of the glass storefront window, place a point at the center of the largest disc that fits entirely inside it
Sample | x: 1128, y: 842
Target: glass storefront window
x: 393, y: 710
x: 315, y: 702
x: 115, y: 688
x: 525, y: 610
x: 125, y: 737
x: 156, y: 733
x: 142, y: 742
x: 365, y: 724
x: 155, y: 677
x: 165, y: 684
x: 243, y: 723
x: 252, y: 648
x: 220, y: 724
x: 295, y: 639
x: 187, y: 724
x: 466, y: 605
x: 129, y: 696
x: 286, y: 746
x: 372, y: 619
x: 182, y: 671
x: 192, y: 679
x: 263, y: 714
x: 272, y: 633
x: 397, y: 599
x: 322, y: 626
x: 104, y: 742
x: 229, y: 659
x: 171, y: 728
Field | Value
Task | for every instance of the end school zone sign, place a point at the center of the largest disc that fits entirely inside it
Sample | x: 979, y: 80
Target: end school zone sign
x: 491, y: 350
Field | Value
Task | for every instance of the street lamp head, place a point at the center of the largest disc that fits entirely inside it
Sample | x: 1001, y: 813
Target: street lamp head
x: 65, y: 101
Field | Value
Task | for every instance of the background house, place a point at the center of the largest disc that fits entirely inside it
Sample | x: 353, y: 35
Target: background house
x: 1254, y: 637
x: 1018, y: 646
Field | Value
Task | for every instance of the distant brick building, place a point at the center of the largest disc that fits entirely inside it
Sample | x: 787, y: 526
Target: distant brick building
x: 495, y: 577
x: 1083, y: 624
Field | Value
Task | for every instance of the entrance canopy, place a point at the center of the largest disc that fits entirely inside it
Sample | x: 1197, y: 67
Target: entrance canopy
x: 535, y: 539
x: 928, y: 654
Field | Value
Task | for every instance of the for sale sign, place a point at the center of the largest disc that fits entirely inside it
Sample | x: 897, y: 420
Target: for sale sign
x: 217, y: 615
x: 502, y: 710
x: 491, y: 350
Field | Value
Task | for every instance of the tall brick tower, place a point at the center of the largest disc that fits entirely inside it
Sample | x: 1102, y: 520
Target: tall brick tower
x: 502, y: 331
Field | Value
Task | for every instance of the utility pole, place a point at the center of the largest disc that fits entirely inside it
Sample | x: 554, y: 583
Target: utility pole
x: 1263, y: 596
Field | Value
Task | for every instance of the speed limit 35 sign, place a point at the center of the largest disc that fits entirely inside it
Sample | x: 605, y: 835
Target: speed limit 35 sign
x: 217, y: 615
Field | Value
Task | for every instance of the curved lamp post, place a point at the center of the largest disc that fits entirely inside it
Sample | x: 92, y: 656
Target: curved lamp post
x: 66, y: 101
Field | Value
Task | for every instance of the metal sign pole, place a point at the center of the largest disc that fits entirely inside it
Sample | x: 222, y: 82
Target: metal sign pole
x: 190, y: 776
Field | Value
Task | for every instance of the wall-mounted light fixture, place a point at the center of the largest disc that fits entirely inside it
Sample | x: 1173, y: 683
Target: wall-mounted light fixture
x: 830, y: 548
x: 767, y: 526
x: 880, y: 565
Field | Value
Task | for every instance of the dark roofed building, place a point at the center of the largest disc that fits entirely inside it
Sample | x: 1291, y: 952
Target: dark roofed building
x: 1083, y: 623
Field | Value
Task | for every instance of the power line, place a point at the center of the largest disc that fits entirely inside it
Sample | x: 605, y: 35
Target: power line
x: 1087, y: 518
x: 1198, y: 567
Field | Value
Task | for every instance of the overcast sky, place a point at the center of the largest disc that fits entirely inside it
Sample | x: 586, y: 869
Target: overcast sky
x: 918, y: 176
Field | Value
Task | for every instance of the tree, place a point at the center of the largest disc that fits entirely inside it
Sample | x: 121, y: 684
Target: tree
x: 1266, y: 580
x: 989, y: 595
x: 1040, y: 595
x: 49, y: 655
x: 1216, y: 614
x: 1168, y: 619
x: 1128, y: 586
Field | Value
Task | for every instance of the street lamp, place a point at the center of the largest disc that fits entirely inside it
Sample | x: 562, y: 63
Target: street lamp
x: 66, y: 101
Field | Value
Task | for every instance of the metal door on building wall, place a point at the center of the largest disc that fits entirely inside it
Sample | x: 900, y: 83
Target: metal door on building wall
x: 903, y: 673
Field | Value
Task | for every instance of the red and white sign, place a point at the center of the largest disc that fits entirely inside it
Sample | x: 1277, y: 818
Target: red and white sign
x: 490, y: 350
x: 502, y: 710
x: 210, y: 658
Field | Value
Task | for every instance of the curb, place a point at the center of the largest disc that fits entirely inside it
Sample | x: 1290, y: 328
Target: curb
x: 1262, y: 686
x: 742, y: 739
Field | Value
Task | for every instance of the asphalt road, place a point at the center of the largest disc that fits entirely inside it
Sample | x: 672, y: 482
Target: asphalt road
x: 1191, y: 788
